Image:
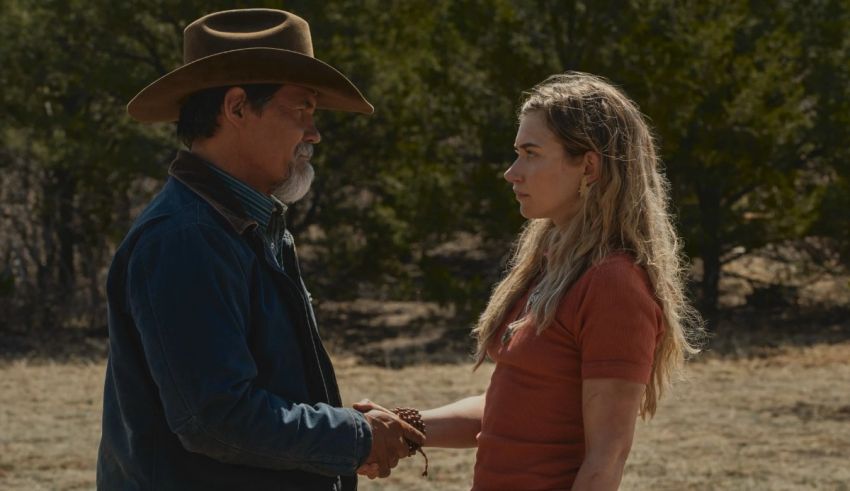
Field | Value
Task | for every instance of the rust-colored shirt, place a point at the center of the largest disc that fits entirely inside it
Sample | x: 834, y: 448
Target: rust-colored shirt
x: 532, y: 434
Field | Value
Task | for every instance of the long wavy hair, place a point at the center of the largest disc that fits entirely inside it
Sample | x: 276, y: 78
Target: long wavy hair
x: 626, y: 209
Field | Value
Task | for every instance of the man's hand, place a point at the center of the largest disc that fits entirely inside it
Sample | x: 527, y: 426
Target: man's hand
x: 366, y: 405
x: 388, y: 439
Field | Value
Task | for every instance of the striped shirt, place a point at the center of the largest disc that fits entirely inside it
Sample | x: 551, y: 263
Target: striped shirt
x: 267, y: 211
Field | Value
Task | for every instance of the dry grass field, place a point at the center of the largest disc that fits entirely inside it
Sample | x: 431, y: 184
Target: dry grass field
x: 772, y: 422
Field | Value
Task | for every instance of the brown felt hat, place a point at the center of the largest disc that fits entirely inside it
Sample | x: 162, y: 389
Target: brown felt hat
x: 248, y: 46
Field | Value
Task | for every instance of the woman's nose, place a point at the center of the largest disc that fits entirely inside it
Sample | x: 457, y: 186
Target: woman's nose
x: 512, y: 175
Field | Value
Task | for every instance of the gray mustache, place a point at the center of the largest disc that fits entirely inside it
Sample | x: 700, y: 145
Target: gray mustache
x: 304, y: 151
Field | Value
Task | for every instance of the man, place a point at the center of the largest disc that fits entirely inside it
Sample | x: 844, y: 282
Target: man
x: 217, y: 377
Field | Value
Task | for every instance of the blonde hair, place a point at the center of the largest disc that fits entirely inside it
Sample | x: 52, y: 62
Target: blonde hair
x: 626, y: 209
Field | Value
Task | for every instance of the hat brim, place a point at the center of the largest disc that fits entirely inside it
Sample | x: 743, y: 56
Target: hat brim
x: 161, y: 100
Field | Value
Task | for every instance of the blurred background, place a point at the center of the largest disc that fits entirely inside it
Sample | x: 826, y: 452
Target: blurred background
x: 409, y: 222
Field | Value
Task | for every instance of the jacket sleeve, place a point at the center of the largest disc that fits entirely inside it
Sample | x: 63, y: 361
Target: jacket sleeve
x: 189, y: 297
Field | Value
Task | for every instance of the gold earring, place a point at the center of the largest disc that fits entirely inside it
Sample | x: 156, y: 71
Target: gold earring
x: 582, y: 190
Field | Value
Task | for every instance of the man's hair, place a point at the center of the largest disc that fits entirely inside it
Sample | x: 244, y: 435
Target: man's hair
x: 199, y: 112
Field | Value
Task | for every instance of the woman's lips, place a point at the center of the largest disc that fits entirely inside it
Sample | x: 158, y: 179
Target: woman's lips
x: 520, y: 195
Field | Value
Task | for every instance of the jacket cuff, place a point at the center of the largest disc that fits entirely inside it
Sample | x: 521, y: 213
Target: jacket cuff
x: 363, y: 436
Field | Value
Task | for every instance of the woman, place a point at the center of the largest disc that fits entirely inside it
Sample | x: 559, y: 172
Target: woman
x: 591, y: 321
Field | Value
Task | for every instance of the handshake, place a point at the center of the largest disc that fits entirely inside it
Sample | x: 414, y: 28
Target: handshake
x: 393, y: 438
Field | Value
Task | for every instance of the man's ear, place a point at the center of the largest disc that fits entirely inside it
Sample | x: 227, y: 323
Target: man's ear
x: 234, y: 108
x: 592, y: 165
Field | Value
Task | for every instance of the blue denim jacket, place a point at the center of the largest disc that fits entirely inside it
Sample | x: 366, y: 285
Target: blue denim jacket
x: 217, y: 377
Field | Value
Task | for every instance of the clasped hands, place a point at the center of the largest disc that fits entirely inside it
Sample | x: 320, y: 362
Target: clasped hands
x: 388, y: 439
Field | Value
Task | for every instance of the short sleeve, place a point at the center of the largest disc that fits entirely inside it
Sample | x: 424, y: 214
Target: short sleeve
x: 619, y: 323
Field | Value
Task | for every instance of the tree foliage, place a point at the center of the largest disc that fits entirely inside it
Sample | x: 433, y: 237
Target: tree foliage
x: 748, y: 99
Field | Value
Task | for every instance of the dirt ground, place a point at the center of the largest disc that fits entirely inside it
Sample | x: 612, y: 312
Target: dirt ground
x: 775, y: 422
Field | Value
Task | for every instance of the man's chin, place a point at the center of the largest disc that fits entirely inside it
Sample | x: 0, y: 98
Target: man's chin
x: 297, y: 185
x: 289, y: 198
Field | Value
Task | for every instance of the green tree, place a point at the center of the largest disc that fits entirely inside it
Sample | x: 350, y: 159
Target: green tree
x: 74, y: 160
x: 824, y: 25
x: 748, y: 98
x: 722, y: 85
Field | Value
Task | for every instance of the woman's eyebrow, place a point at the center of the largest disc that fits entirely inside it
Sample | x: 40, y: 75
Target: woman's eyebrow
x: 526, y: 146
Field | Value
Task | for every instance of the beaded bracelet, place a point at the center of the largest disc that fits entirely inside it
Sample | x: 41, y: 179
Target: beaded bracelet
x: 413, y: 417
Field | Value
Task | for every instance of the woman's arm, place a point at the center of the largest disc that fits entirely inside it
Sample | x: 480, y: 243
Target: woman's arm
x: 454, y: 425
x: 609, y: 408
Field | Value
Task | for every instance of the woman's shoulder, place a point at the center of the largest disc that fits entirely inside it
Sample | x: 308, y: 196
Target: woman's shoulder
x: 618, y: 268
x: 613, y: 289
x: 607, y: 282
x: 616, y: 287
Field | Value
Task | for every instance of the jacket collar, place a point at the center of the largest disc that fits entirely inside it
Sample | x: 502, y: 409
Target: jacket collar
x: 194, y: 173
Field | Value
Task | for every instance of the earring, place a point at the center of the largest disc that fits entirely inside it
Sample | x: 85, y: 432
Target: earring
x: 582, y: 189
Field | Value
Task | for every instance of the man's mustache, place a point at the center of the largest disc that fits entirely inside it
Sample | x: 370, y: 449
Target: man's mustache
x: 304, y: 151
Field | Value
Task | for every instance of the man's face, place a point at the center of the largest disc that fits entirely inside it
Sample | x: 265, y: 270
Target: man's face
x: 276, y: 144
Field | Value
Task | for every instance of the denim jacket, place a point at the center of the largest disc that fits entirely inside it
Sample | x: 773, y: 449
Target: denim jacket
x: 217, y: 377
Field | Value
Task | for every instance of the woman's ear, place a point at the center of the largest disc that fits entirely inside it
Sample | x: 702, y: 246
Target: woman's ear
x: 592, y: 165
x: 234, y: 107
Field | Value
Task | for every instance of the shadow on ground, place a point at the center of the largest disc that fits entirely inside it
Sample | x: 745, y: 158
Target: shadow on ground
x: 746, y: 332
x: 398, y: 334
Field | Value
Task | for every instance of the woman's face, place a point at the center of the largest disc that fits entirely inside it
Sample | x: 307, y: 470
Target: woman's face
x: 545, y: 178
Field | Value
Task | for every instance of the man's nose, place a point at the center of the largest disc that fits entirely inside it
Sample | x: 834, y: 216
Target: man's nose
x: 311, y: 134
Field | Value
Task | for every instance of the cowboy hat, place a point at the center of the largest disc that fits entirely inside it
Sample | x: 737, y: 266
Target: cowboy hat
x: 248, y: 46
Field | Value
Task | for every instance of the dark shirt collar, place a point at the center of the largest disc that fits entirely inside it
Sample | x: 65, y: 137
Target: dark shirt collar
x: 258, y: 206
x: 197, y: 174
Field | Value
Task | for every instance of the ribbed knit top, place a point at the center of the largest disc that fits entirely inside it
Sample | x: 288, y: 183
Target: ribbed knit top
x: 532, y: 433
